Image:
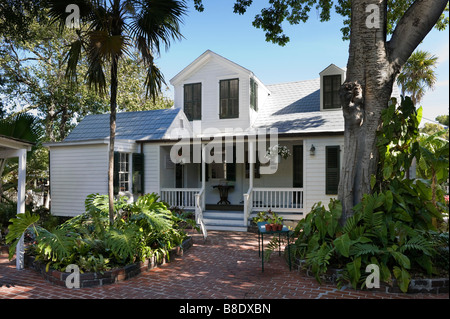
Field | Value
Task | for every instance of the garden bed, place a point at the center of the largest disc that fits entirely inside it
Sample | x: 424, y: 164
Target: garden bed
x: 417, y: 285
x: 107, y: 277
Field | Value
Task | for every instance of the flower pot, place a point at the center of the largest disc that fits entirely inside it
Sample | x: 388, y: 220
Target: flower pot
x: 279, y: 227
x: 268, y: 227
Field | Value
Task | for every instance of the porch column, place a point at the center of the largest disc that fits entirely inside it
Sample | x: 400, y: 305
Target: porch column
x: 21, y: 180
x: 203, y: 176
x: 251, y: 162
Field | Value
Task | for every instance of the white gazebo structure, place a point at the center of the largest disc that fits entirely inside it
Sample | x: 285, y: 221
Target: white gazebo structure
x: 13, y: 147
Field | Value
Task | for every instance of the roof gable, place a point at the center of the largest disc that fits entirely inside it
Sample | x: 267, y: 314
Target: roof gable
x: 206, y: 57
x: 331, y: 69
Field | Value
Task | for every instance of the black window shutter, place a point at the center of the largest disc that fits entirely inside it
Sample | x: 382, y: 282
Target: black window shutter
x: 116, y: 173
x: 138, y: 173
x: 193, y: 101
x: 332, y: 170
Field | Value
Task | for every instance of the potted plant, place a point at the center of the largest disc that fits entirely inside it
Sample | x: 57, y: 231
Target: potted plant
x: 270, y: 225
x: 278, y: 221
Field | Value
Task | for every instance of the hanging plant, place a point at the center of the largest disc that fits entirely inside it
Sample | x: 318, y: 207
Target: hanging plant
x: 276, y: 150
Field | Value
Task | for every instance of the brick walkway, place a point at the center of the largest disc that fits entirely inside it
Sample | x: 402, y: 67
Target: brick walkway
x: 227, y: 266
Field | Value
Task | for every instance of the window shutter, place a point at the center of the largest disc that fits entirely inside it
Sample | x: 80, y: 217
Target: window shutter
x: 138, y: 173
x: 229, y: 98
x: 116, y: 173
x: 193, y: 101
x: 332, y: 170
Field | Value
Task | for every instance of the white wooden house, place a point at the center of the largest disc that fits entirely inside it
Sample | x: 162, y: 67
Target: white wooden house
x: 177, y: 152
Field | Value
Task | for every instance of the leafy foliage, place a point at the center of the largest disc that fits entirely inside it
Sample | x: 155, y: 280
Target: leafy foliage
x: 393, y: 227
x: 272, y: 17
x: 140, y: 230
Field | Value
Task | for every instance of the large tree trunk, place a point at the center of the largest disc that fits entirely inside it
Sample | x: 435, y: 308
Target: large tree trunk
x: 372, y: 67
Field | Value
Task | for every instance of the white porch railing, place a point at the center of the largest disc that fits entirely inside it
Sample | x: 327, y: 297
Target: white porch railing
x: 283, y: 199
x: 180, y: 197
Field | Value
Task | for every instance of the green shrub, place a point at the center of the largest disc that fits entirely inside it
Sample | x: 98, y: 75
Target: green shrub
x: 399, y: 241
x: 395, y: 227
x: 140, y: 230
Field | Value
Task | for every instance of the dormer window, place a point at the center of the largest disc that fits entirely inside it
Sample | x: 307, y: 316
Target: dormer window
x: 229, y: 99
x: 331, y: 85
x: 253, y: 95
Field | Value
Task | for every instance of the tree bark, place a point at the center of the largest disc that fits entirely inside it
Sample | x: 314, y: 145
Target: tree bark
x: 372, y: 67
x: 112, y: 134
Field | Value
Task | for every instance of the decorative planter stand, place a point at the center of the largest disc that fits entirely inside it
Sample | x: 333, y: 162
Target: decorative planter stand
x: 112, y: 276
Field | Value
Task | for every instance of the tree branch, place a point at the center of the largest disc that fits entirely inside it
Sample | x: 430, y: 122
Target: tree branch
x: 412, y: 28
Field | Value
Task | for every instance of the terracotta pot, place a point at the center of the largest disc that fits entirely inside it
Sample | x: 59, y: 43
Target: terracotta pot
x: 268, y: 227
x: 279, y: 227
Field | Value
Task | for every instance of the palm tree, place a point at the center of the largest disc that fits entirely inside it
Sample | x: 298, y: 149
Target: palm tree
x: 110, y: 29
x: 418, y: 75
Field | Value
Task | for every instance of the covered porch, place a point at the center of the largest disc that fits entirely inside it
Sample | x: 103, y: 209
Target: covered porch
x: 229, y: 184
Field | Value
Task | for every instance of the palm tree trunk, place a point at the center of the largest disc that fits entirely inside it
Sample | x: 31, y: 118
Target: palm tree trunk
x: 112, y: 134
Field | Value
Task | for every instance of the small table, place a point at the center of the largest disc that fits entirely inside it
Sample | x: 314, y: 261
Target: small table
x: 223, y: 191
x: 262, y: 231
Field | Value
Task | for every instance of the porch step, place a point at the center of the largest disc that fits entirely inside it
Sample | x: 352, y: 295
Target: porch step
x: 224, y: 220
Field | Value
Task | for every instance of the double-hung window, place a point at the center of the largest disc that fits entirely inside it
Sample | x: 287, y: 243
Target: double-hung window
x: 124, y: 172
x: 193, y: 101
x: 331, y: 85
x: 253, y: 95
x: 229, y: 99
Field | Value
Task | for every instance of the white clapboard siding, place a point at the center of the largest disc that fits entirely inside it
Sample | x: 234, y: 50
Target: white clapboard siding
x: 76, y: 172
x: 151, y: 168
x: 314, y: 169
x: 209, y: 75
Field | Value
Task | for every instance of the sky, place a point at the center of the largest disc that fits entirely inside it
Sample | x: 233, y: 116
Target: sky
x: 313, y: 46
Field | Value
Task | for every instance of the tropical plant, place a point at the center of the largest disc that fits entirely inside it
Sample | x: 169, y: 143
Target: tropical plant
x: 141, y: 230
x: 385, y: 230
x: 418, y: 75
x: 392, y: 227
x: 433, y: 162
x: 108, y: 31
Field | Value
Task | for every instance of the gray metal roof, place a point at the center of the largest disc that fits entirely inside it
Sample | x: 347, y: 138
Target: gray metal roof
x: 143, y: 125
x: 295, y: 108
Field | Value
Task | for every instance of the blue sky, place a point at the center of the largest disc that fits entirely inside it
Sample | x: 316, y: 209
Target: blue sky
x: 313, y: 46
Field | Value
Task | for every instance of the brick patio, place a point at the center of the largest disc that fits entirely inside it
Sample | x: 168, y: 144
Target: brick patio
x: 227, y: 266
